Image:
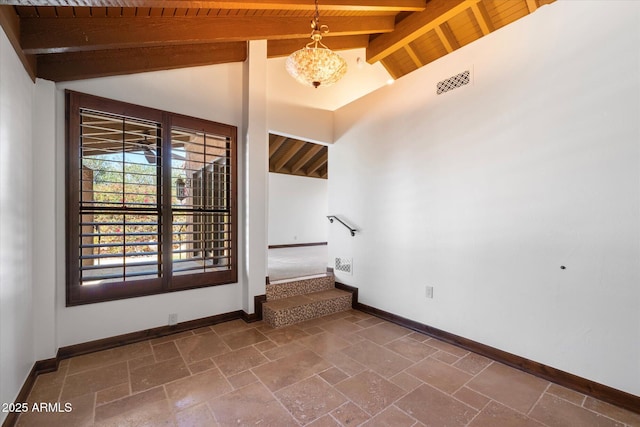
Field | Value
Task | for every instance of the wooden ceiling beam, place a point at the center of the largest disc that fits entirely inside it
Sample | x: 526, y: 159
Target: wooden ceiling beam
x: 11, y: 24
x: 482, y: 17
x: 288, y: 5
x: 390, y: 69
x: 311, y: 152
x: 532, y: 5
x: 278, y: 48
x: 317, y: 164
x: 56, y: 35
x: 288, y: 155
x: 83, y: 65
x: 414, y: 57
x: 276, y: 144
x: 447, y: 38
x: 27, y: 11
x: 414, y: 26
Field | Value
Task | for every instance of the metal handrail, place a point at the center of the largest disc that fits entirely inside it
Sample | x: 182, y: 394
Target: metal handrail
x: 332, y: 217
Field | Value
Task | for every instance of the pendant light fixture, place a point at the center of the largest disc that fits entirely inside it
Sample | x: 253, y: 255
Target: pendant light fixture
x: 315, y: 64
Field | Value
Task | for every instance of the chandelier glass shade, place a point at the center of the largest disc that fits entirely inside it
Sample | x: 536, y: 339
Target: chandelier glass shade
x: 315, y: 64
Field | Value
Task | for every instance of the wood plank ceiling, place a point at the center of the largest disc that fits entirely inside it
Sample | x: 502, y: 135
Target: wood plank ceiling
x: 295, y: 157
x: 63, y: 40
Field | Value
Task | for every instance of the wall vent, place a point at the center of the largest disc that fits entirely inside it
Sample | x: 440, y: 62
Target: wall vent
x: 344, y: 265
x: 454, y: 82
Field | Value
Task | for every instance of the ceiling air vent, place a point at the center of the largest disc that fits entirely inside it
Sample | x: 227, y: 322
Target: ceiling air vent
x: 454, y: 82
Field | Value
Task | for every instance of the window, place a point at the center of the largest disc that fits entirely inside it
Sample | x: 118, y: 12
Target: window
x: 151, y: 201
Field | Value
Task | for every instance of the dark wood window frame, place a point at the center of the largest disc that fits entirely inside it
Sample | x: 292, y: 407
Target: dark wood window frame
x: 166, y: 281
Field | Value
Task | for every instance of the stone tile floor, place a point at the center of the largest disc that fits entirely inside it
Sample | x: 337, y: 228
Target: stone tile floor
x: 347, y: 369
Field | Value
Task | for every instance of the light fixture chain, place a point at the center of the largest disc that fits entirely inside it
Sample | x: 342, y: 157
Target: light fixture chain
x: 316, y: 64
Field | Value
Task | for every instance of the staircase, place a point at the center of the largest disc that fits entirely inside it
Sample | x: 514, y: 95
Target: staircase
x: 290, y: 302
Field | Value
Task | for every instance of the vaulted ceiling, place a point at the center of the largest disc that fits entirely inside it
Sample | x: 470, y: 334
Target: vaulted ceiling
x: 64, y: 40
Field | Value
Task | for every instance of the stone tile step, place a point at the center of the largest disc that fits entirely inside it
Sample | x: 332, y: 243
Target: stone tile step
x: 300, y: 308
x: 302, y: 286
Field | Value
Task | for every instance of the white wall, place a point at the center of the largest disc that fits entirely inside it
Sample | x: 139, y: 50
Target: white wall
x: 213, y: 93
x: 295, y: 121
x: 305, y: 112
x: 254, y: 184
x: 44, y: 224
x: 16, y: 283
x: 484, y: 192
x: 297, y: 209
x: 360, y: 79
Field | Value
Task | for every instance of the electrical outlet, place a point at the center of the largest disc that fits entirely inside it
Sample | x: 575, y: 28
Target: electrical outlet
x: 429, y: 291
x: 173, y: 319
